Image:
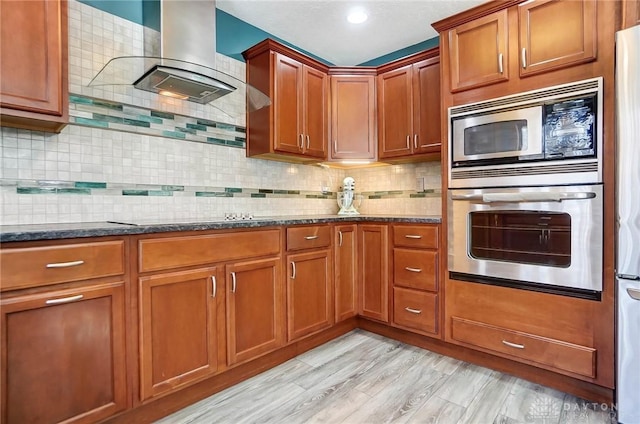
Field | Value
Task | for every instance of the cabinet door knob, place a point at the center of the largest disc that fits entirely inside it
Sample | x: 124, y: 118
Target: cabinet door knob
x: 64, y: 300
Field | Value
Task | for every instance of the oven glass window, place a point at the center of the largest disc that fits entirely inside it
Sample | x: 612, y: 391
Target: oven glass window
x: 531, y: 237
x: 496, y: 137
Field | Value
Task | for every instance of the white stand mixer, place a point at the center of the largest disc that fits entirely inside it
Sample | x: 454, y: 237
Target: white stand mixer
x: 347, y: 198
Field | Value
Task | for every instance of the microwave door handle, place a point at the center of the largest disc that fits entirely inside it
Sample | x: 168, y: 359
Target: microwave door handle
x: 524, y: 197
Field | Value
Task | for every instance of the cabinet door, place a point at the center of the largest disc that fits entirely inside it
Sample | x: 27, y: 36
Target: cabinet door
x: 353, y: 122
x: 395, y: 113
x: 373, y: 276
x: 287, y: 104
x: 178, y: 329
x: 309, y: 293
x: 63, y: 355
x: 630, y: 13
x: 315, y: 112
x: 426, y: 106
x: 478, y: 52
x: 255, y: 309
x: 555, y: 34
x: 33, y: 64
x: 346, y: 250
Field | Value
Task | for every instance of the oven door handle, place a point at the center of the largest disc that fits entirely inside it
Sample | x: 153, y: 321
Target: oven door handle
x: 524, y: 197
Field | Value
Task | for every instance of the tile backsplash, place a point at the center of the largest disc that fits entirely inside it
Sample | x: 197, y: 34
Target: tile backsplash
x: 129, y: 154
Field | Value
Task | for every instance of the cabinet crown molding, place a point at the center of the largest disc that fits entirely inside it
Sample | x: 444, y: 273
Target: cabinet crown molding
x: 473, y: 13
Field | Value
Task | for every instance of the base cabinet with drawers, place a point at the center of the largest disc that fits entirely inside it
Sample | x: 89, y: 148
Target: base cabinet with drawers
x: 549, y: 331
x: 415, y: 278
x: 194, y: 312
x: 206, y: 302
x: 309, y: 281
x: 62, y: 315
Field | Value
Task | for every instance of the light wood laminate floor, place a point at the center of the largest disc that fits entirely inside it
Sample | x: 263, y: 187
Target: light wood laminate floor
x: 365, y: 378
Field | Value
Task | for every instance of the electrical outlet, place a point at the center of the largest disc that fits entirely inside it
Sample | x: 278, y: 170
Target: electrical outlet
x: 420, y: 184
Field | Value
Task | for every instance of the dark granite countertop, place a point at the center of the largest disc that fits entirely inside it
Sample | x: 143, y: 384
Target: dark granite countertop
x: 54, y: 231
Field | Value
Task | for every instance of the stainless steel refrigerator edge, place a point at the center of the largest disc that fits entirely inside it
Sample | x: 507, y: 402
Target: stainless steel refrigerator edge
x: 628, y: 220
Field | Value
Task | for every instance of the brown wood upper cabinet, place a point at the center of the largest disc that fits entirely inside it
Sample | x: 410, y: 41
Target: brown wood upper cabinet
x: 409, y: 108
x: 554, y: 34
x: 295, y: 126
x: 33, y: 65
x: 533, y: 37
x: 353, y: 120
x: 478, y: 52
x: 630, y: 13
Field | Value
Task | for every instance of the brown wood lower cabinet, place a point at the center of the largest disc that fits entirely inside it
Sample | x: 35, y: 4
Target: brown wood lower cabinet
x: 345, y: 275
x: 63, y: 355
x: 373, y: 259
x: 255, y: 308
x: 309, y: 293
x: 179, y: 337
x: 415, y: 310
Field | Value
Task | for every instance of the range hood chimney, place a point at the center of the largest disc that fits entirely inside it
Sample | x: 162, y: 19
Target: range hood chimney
x: 186, y: 67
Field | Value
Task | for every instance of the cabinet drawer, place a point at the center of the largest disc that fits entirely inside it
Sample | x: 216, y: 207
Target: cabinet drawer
x: 308, y: 237
x: 420, y: 236
x: 36, y: 266
x: 415, y: 309
x: 556, y: 354
x: 176, y: 252
x: 417, y: 269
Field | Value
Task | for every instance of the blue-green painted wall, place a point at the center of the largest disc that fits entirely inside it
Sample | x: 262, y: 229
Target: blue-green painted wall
x: 233, y: 36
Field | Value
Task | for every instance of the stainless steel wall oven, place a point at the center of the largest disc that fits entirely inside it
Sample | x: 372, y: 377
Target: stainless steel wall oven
x: 525, y: 199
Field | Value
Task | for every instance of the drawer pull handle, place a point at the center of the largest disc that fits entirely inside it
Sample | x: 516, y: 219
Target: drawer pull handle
x: 64, y: 300
x: 413, y: 236
x: 233, y: 282
x: 517, y: 346
x: 65, y: 264
x: 413, y: 311
x: 412, y: 269
x: 310, y: 237
x: 214, y: 286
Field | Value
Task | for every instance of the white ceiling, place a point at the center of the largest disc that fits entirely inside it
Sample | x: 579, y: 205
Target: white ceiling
x: 320, y: 26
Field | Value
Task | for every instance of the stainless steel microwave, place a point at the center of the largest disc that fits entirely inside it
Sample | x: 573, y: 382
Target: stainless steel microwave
x: 529, y: 138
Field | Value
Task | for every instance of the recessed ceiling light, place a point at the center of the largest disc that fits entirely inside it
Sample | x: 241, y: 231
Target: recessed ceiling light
x: 357, y: 16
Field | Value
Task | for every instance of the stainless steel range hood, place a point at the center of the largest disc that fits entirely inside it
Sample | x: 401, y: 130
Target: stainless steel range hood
x: 185, y: 67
